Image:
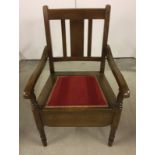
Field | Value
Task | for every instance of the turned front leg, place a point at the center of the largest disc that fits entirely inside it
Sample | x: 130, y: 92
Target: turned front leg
x: 112, y: 136
x: 114, y: 125
x: 37, y: 117
x: 43, y: 136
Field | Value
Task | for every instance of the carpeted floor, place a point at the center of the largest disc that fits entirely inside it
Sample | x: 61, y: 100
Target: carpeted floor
x: 79, y: 141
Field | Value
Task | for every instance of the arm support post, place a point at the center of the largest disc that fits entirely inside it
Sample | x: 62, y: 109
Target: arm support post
x: 123, y: 88
x: 29, y: 89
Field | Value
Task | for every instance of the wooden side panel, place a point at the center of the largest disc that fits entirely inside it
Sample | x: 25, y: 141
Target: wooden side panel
x: 42, y: 99
x: 77, y: 37
x: 108, y: 92
x: 77, y: 118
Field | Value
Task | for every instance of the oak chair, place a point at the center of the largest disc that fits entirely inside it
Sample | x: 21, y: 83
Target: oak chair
x: 77, y: 99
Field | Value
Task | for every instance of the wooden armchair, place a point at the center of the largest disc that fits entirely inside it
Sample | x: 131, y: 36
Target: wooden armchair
x: 77, y: 99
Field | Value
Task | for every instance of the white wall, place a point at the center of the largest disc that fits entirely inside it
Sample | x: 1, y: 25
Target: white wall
x: 121, y: 35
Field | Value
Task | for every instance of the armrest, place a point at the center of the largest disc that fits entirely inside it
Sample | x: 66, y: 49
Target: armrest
x: 123, y: 88
x: 28, y: 91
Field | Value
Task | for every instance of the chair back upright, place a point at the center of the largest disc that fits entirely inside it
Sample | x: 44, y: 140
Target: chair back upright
x: 76, y: 17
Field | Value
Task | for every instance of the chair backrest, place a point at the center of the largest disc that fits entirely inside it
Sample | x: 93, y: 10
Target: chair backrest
x: 76, y: 17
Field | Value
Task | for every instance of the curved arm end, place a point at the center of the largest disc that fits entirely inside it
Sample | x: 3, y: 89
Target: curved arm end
x: 26, y: 95
x: 127, y: 94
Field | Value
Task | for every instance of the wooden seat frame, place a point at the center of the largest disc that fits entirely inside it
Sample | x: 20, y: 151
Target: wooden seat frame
x: 77, y: 116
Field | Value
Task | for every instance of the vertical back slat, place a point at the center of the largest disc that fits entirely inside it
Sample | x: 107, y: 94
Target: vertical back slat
x: 77, y: 37
x: 48, y: 37
x: 89, y: 36
x: 63, y: 28
x: 105, y: 37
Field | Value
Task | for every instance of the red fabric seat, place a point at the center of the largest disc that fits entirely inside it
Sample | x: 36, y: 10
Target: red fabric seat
x: 76, y: 91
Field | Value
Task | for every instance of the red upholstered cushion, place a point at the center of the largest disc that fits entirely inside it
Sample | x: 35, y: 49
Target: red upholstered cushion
x: 76, y: 91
